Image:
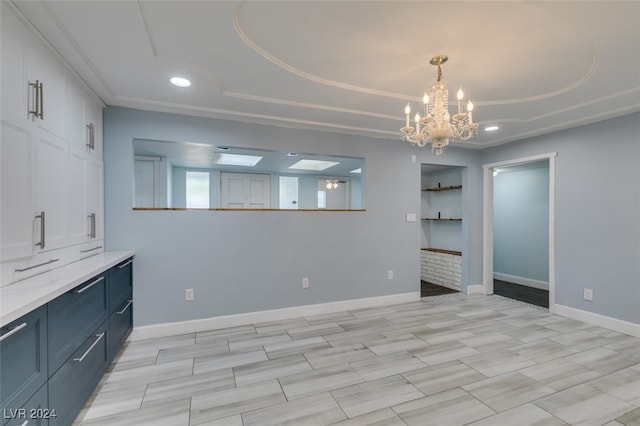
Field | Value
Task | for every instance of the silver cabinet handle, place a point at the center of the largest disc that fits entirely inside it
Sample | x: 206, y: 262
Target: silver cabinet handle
x: 42, y: 233
x: 125, y: 264
x: 99, y: 336
x: 88, y: 286
x: 13, y: 331
x: 92, y: 219
x: 38, y: 103
x: 91, y: 249
x: 129, y: 302
x: 41, y: 90
x: 91, y: 142
x: 36, y: 266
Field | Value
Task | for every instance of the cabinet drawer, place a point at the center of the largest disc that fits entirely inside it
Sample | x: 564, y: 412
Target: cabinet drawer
x: 23, y: 359
x: 73, y: 317
x: 35, y: 412
x: 120, y: 284
x: 120, y: 325
x: 72, y: 384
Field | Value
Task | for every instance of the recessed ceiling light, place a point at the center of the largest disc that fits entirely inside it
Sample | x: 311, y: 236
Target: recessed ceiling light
x: 292, y: 154
x: 238, y: 160
x: 180, y: 82
x: 491, y: 128
x: 313, y: 165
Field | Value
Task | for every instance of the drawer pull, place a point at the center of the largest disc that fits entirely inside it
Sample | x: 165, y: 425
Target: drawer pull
x: 91, y: 249
x: 129, y: 302
x: 36, y: 266
x: 99, y: 336
x: 13, y: 331
x: 88, y: 286
x: 125, y: 264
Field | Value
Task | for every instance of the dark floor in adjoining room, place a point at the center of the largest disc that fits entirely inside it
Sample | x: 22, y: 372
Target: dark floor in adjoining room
x: 531, y: 295
x: 428, y: 289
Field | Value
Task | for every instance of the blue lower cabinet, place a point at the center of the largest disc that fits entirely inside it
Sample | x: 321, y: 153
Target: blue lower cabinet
x: 35, y: 412
x: 120, y: 325
x: 120, y: 284
x: 23, y: 361
x: 72, y: 384
x: 73, y: 317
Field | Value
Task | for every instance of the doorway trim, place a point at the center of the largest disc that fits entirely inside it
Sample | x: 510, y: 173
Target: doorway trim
x: 487, y: 222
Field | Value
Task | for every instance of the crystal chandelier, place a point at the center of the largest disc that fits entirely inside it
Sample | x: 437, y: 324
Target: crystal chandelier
x: 437, y: 126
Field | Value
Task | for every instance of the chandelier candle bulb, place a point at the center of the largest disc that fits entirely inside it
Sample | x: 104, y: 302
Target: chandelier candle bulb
x: 407, y: 111
x: 425, y: 100
x: 469, y: 109
x: 460, y: 96
x: 417, y: 122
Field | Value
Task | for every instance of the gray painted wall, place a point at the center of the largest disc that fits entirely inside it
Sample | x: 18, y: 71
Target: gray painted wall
x: 251, y: 261
x: 521, y: 221
x: 597, y: 212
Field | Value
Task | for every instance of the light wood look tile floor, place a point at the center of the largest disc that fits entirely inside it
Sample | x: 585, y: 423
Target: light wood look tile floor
x: 446, y: 360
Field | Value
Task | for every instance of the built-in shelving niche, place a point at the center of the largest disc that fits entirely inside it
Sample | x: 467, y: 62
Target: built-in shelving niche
x: 441, y: 225
x: 441, y: 208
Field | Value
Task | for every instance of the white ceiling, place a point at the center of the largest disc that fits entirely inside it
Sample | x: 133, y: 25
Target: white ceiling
x: 351, y: 66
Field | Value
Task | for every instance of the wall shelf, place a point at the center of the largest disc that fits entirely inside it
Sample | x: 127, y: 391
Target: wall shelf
x: 443, y: 188
x: 437, y: 250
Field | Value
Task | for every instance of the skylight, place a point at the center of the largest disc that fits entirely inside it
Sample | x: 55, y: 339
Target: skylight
x: 316, y: 165
x: 238, y: 160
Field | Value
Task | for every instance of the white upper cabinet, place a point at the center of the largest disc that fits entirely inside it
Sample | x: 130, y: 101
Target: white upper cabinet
x: 16, y: 201
x: 93, y: 126
x: 51, y: 210
x: 51, y: 191
x: 47, y: 89
x: 13, y: 105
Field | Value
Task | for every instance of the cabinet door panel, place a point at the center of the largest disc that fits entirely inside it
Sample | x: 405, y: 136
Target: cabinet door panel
x: 36, y: 411
x: 73, y: 383
x: 51, y: 188
x: 77, y: 226
x: 44, y: 67
x: 23, y: 360
x: 94, y: 195
x: 120, y: 325
x: 120, y: 284
x: 73, y: 317
x: 13, y: 101
x: 15, y: 193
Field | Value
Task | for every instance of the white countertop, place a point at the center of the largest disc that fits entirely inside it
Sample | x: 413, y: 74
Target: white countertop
x: 22, y: 297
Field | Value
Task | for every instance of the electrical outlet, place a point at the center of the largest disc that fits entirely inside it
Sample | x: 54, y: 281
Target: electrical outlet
x: 305, y: 282
x: 588, y: 294
x: 390, y: 274
x: 188, y: 294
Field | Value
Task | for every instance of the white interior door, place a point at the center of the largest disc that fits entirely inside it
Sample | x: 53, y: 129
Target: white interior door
x: 288, y: 192
x: 145, y: 183
x: 245, y: 190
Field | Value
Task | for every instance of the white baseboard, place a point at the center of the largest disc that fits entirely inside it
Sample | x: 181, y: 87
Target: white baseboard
x: 213, y: 323
x: 475, y: 289
x: 542, y: 285
x: 610, y: 323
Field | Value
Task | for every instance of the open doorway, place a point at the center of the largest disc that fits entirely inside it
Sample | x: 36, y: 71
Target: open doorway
x: 520, y: 237
x: 519, y: 258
